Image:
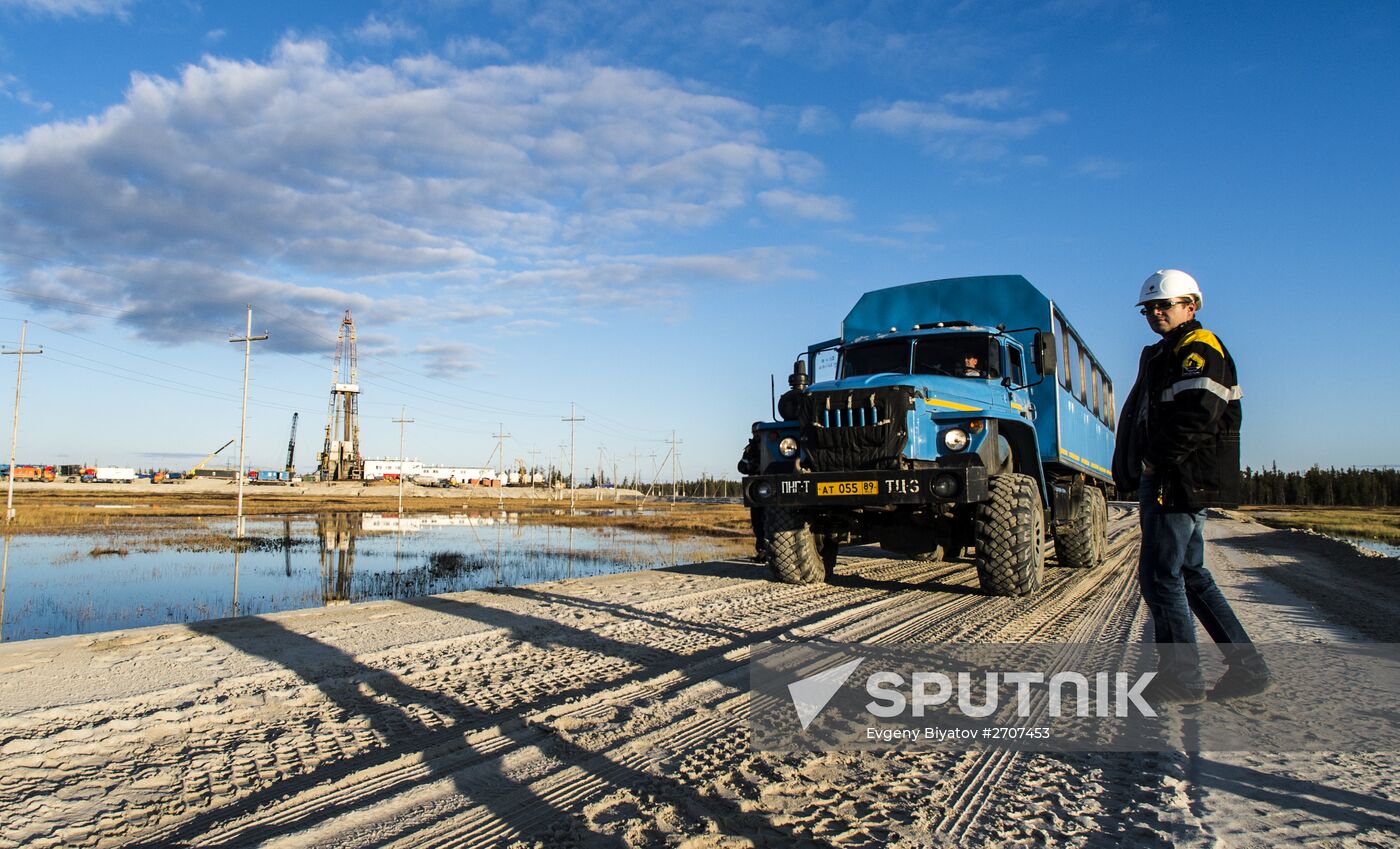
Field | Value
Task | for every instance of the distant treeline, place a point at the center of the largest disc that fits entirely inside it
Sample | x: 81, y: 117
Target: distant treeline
x: 1323, y: 487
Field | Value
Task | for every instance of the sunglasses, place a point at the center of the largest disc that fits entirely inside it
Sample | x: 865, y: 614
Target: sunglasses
x: 1160, y: 306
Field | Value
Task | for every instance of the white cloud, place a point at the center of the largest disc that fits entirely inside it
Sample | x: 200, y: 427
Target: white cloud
x: 803, y: 205
x: 645, y: 281
x: 377, y: 30
x: 526, y: 326
x: 474, y: 48
x: 1100, y: 168
x: 817, y: 119
x: 984, y: 98
x: 320, y: 184
x: 11, y: 87
x: 70, y: 8
x: 952, y: 134
x: 445, y: 359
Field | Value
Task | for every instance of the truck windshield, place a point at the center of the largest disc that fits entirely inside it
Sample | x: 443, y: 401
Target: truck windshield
x: 962, y: 355
x: 888, y: 356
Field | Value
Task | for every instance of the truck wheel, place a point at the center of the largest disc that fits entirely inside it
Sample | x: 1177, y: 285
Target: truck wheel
x: 792, y: 552
x: 1080, y: 542
x: 1009, y: 529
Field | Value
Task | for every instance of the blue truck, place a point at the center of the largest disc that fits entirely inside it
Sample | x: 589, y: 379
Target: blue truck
x: 949, y: 414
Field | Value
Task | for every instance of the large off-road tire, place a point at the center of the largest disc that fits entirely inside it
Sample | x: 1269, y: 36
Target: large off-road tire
x: 1009, y: 529
x: 791, y: 547
x: 1081, y: 542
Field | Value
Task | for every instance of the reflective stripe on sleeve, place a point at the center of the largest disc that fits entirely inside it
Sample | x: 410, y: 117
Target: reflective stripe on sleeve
x: 1225, y: 393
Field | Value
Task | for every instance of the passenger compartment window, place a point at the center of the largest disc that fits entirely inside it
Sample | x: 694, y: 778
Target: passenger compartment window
x: 1063, y: 333
x: 1080, y: 375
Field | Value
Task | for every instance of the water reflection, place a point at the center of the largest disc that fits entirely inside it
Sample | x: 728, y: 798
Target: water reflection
x: 336, y: 533
x: 4, y: 580
x: 140, y: 572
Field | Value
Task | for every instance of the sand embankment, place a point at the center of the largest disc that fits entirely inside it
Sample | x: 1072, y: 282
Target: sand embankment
x: 610, y: 711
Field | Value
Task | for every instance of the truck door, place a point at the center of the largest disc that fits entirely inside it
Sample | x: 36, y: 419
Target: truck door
x: 1018, y: 398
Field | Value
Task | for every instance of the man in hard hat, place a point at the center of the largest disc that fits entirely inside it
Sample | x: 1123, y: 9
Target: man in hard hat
x: 1178, y: 446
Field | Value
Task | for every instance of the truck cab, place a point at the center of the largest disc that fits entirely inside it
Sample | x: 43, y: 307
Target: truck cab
x: 935, y: 425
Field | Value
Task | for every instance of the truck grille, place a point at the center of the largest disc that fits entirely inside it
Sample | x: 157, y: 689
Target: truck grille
x: 851, y: 429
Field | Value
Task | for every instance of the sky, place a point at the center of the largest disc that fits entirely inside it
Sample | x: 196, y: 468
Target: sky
x: 641, y: 212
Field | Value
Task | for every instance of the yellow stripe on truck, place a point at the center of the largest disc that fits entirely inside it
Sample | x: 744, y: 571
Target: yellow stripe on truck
x: 953, y: 405
x: 1078, y: 459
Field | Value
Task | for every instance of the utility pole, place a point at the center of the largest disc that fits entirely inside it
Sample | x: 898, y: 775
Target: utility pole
x: 562, y: 449
x: 598, y: 490
x: 533, y: 452
x: 674, y: 443
x: 636, y: 470
x: 501, y: 451
x: 14, y: 426
x: 401, y: 421
x: 247, y: 340
x: 572, y: 420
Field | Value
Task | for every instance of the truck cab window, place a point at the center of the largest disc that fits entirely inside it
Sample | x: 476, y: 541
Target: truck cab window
x: 890, y: 356
x: 1013, y: 358
x: 971, y: 356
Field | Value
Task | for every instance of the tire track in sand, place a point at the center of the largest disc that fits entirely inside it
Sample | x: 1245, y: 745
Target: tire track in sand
x: 712, y: 733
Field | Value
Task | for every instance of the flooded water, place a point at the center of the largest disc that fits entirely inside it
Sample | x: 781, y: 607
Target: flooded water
x: 144, y: 574
x: 1372, y: 545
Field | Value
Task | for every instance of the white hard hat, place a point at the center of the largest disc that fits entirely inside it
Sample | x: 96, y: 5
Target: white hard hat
x: 1168, y: 283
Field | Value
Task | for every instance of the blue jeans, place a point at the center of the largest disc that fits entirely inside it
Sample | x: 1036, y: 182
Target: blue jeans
x: 1176, y: 584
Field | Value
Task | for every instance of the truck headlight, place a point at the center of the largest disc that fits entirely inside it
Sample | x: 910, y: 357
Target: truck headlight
x: 955, y: 439
x: 788, y: 447
x: 761, y: 490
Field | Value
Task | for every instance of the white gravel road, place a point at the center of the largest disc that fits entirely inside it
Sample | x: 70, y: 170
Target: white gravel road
x: 610, y: 711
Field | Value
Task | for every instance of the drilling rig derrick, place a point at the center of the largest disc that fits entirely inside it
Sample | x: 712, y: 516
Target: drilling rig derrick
x: 340, y: 457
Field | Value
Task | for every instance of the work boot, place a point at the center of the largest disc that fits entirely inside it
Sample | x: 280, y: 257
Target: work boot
x: 1239, y: 682
x: 1165, y: 689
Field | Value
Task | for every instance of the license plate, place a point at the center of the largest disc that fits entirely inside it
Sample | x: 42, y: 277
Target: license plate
x: 849, y: 488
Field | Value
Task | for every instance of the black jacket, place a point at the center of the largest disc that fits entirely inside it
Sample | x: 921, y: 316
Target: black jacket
x: 1183, y: 416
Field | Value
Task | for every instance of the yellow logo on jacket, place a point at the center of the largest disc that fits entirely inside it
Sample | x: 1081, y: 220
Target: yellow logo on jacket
x: 1193, y: 364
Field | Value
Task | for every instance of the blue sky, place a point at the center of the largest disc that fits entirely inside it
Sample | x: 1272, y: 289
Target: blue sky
x: 647, y: 209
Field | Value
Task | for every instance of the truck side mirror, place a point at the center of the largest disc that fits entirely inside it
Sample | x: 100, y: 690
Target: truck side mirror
x: 1045, y: 362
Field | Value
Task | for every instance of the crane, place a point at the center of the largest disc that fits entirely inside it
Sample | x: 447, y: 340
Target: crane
x: 292, y: 448
x: 207, y: 459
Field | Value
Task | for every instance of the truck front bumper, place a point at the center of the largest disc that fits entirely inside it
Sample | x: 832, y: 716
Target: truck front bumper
x: 952, y: 485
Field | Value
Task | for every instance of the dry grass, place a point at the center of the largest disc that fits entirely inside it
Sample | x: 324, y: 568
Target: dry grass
x: 1376, y: 523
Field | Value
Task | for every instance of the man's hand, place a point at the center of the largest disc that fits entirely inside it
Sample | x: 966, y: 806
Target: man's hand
x: 1148, y: 470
